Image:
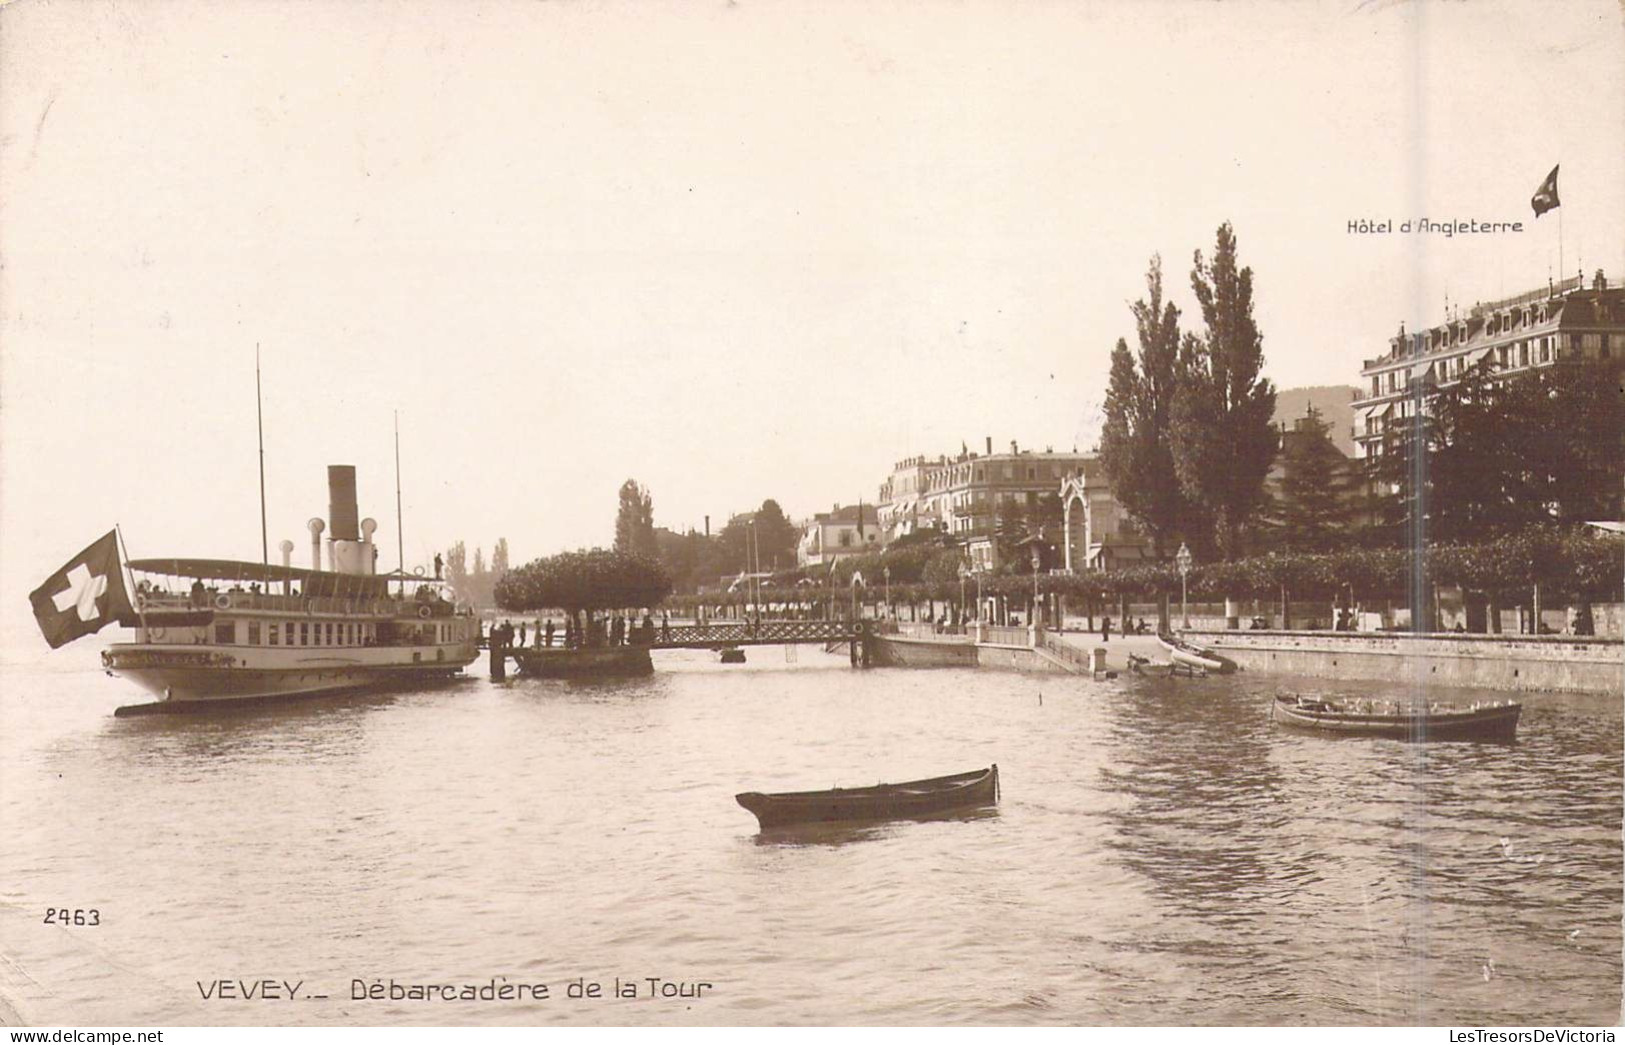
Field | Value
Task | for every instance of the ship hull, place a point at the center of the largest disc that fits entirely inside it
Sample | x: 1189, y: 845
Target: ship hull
x: 199, y: 677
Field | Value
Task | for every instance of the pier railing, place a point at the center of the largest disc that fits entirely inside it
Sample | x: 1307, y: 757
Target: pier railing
x: 1003, y: 635
x: 751, y: 633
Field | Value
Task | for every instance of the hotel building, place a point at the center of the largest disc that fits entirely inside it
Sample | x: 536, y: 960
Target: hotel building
x: 1566, y: 323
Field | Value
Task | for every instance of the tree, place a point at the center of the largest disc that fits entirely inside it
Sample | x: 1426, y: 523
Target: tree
x: 776, y: 537
x: 1314, y: 510
x: 1222, y: 440
x: 1135, y: 447
x: 499, y: 557
x: 762, y: 539
x: 1492, y: 454
x: 635, y: 522
x: 584, y: 582
x: 457, y: 572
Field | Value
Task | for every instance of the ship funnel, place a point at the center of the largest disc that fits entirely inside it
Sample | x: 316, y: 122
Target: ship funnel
x: 369, y: 551
x: 315, y: 526
x: 341, y: 504
x: 287, y: 553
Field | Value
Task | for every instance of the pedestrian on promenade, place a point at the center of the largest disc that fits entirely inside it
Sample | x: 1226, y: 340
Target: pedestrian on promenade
x: 521, y: 634
x: 665, y: 627
x: 549, y: 633
x: 1105, y: 629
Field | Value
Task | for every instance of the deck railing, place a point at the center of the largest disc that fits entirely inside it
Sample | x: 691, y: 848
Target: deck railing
x: 264, y: 602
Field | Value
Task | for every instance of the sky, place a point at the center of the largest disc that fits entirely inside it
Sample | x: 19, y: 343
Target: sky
x: 731, y: 250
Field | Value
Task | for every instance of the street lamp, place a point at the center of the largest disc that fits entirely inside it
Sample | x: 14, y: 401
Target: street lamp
x: 886, y: 571
x: 1034, y: 621
x: 1183, y: 559
x: 964, y: 571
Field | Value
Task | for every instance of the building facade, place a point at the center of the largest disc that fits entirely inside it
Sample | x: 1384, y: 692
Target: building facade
x: 964, y: 496
x: 838, y: 533
x: 1566, y: 323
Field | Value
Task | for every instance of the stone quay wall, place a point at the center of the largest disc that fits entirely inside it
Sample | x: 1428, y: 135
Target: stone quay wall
x: 1550, y: 663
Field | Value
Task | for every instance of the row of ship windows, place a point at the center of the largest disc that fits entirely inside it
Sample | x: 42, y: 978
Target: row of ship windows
x: 306, y: 633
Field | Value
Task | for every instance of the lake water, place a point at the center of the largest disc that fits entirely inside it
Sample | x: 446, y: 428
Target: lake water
x: 1162, y: 854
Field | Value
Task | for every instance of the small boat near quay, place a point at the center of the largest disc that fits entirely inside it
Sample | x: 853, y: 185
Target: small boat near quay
x: 1191, y: 655
x: 912, y: 799
x: 1497, y: 721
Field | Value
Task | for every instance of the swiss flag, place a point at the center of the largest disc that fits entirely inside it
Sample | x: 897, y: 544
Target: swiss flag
x: 84, y: 596
x: 1545, y: 197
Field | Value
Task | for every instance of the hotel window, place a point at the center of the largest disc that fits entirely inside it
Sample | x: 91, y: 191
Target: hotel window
x: 1592, y: 343
x: 253, y: 633
x: 1032, y: 473
x: 1009, y: 470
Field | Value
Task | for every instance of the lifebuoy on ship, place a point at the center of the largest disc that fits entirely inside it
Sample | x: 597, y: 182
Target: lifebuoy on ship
x: 222, y: 601
x: 423, y: 611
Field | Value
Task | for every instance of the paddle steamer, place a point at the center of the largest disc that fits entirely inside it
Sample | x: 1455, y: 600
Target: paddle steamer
x: 209, y: 632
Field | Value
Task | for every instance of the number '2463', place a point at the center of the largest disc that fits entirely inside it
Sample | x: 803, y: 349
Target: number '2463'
x: 74, y: 916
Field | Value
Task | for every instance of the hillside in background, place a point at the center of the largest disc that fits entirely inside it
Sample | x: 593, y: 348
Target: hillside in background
x: 1335, y: 403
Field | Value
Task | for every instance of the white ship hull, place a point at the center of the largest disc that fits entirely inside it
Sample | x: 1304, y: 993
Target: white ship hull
x: 182, y: 673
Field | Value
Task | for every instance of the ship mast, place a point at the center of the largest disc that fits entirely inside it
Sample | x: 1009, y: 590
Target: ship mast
x: 259, y: 417
x: 400, y: 537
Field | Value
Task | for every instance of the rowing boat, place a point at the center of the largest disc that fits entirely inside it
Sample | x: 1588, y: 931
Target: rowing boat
x: 1193, y: 656
x: 1497, y: 721
x: 915, y: 798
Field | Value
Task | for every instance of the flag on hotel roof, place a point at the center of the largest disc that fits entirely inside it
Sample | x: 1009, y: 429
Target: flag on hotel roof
x: 1545, y: 197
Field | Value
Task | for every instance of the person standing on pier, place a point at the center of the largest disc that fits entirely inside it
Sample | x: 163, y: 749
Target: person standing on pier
x: 665, y: 627
x: 521, y: 634
x: 548, y: 633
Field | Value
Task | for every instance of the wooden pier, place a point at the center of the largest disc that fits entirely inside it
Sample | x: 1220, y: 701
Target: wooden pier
x: 727, y: 635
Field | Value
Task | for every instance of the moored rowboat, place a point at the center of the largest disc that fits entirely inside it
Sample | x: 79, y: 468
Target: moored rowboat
x: 1498, y: 721
x: 915, y: 798
x: 1193, y: 656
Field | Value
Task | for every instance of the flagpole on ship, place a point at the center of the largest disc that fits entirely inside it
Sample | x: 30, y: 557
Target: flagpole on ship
x: 129, y: 578
x: 400, y: 536
x: 259, y: 417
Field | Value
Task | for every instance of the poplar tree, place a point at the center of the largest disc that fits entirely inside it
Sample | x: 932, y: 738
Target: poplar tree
x: 1135, y: 447
x: 1222, y: 440
x: 635, y: 522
